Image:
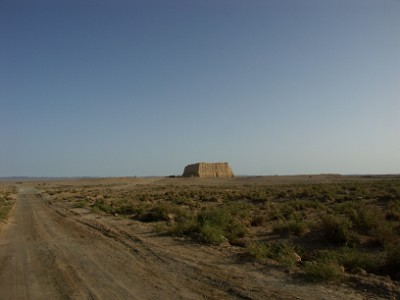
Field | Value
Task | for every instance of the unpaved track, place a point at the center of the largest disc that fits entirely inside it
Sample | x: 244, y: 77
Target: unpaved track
x: 48, y: 252
x: 46, y: 256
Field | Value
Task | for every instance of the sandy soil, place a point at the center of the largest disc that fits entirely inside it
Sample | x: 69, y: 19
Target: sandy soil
x: 51, y: 251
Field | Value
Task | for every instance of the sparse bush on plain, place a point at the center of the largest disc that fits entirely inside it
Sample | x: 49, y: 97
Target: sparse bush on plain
x: 385, y: 233
x: 100, y: 205
x: 360, y: 220
x: 218, y: 223
x: 282, y: 252
x: 298, y: 228
x: 393, y: 210
x: 354, y: 259
x: 364, y: 218
x: 257, y: 220
x: 323, y: 270
x: 213, y: 225
x: 338, y: 229
x: 7, y: 200
x: 156, y: 213
x: 81, y: 204
x: 185, y: 226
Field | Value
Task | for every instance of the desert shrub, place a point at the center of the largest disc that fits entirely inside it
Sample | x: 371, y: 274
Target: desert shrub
x: 365, y: 218
x: 4, y: 210
x: 153, y: 215
x: 385, y: 233
x: 288, y: 211
x: 100, y: 205
x: 234, y: 230
x: 81, y: 203
x: 158, y: 212
x: 211, y: 233
x: 298, y: 228
x: 216, y: 223
x: 354, y: 258
x: 181, y: 201
x: 338, y: 229
x: 241, y: 211
x: 126, y: 208
x: 184, y: 226
x: 257, y: 220
x: 275, y: 214
x: 393, y: 210
x: 258, y: 251
x: 160, y: 227
x: 284, y: 253
x: 212, y: 225
x: 301, y: 205
x: 216, y: 216
x: 259, y: 196
x: 351, y: 258
x: 323, y: 270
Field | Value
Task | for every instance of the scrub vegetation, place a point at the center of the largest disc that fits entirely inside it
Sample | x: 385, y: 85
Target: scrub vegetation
x: 317, y: 230
x: 7, y: 199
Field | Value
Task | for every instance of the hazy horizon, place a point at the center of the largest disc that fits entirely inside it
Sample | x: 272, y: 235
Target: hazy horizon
x: 142, y: 88
x: 180, y: 176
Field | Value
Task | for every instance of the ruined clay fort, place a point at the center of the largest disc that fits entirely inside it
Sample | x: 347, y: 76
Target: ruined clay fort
x: 208, y: 170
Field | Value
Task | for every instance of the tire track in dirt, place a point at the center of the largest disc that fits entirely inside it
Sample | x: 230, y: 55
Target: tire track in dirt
x: 46, y: 256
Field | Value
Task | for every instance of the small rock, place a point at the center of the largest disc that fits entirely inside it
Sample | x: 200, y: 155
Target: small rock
x: 297, y: 257
x: 225, y: 244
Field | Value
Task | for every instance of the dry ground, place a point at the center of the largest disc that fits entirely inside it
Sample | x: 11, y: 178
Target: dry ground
x: 57, y: 244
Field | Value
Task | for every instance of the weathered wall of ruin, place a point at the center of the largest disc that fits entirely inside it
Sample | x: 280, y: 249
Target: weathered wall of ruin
x: 208, y: 170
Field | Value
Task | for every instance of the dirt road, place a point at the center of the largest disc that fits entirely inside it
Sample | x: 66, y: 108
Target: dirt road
x: 53, y: 252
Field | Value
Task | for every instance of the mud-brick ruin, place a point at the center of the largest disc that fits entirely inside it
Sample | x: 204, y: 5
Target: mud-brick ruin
x: 208, y: 170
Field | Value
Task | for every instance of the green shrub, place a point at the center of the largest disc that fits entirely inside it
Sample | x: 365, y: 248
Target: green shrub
x: 185, y: 226
x: 338, y: 229
x: 282, y: 252
x: 218, y: 216
x: 157, y: 213
x: 298, y: 228
x: 365, y: 218
x: 216, y: 223
x: 211, y: 233
x: 385, y: 233
x: 81, y: 204
x: 324, y: 270
x: 353, y: 258
x: 126, y: 209
x: 301, y: 205
x: 288, y: 212
x: 100, y: 205
x: 259, y: 251
x: 7, y: 200
x: 393, y: 210
x: 5, y: 207
x: 234, y: 230
x: 212, y: 225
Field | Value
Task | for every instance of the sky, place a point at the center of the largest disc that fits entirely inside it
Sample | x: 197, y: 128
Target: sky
x: 145, y: 87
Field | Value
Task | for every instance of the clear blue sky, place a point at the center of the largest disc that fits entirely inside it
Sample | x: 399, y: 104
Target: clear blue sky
x: 124, y: 88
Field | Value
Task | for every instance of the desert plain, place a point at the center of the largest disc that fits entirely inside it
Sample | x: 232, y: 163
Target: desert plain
x: 259, y: 237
